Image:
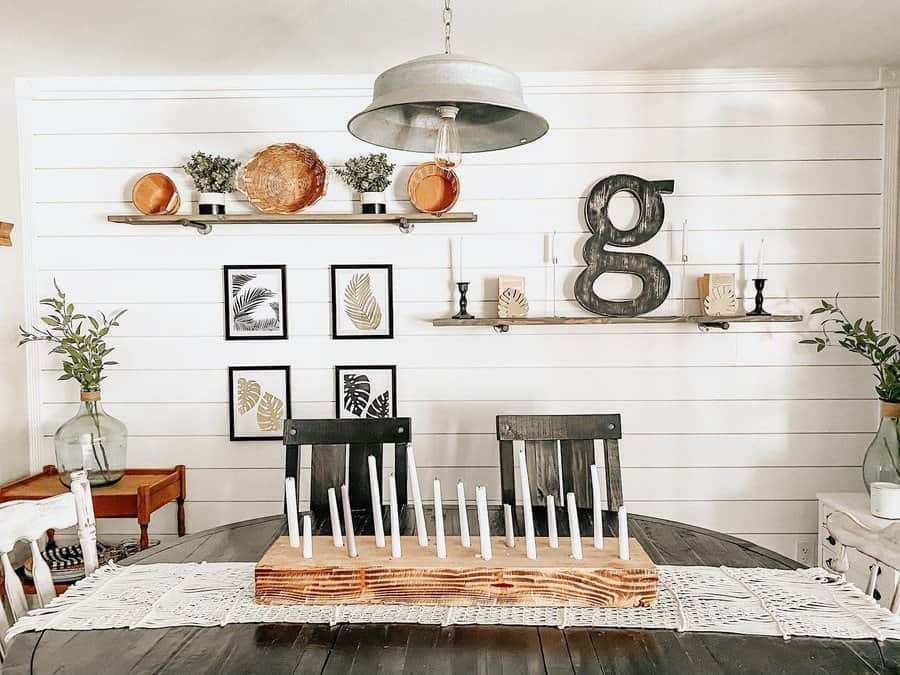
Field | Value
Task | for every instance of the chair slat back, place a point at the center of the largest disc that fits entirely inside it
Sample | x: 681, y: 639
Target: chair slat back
x: 560, y: 448
x: 30, y: 520
x: 340, y: 451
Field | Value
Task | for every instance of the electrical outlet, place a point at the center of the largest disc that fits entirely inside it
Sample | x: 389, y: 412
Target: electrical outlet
x: 806, y: 550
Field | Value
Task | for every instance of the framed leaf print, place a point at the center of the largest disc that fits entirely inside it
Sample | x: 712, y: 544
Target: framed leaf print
x: 259, y: 401
x: 255, y: 302
x: 362, y: 302
x: 365, y: 392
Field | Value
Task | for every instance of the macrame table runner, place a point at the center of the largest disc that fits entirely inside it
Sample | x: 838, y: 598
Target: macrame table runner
x: 809, y: 602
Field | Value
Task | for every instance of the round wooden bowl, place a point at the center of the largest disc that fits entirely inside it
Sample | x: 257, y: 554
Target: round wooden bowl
x: 284, y: 178
x: 155, y: 194
x: 433, y: 189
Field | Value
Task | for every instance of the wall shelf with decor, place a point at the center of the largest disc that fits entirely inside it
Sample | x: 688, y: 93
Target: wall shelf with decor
x: 502, y: 325
x: 204, y: 224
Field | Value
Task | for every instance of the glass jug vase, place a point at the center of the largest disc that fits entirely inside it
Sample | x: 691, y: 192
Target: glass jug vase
x: 92, y: 440
x: 882, y: 460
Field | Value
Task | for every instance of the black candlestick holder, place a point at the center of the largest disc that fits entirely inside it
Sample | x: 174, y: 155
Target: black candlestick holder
x: 759, y: 284
x: 463, y: 287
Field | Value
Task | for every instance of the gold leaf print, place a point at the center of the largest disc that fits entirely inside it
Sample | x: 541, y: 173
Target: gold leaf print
x: 270, y: 414
x: 513, y: 303
x: 360, y: 304
x: 248, y: 395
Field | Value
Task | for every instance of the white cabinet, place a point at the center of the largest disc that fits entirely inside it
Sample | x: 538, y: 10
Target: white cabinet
x: 855, y: 504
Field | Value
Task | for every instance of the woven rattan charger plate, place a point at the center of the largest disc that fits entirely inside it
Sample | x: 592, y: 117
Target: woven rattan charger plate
x: 283, y: 178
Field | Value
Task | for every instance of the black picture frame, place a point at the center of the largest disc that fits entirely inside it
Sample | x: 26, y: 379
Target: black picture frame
x: 390, y: 302
x: 231, y: 407
x: 338, y: 398
x: 229, y: 335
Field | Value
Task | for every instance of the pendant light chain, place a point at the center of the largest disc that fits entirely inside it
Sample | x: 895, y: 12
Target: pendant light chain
x: 448, y: 17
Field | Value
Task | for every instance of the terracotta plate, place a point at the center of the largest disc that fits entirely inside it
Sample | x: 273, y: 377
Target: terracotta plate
x: 155, y: 194
x: 283, y: 178
x: 433, y: 189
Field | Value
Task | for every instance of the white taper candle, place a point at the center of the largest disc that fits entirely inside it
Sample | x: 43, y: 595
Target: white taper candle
x: 552, y: 534
x: 574, y: 530
x: 761, y: 260
x: 530, y: 549
x: 395, y: 518
x: 484, y: 529
x: 374, y: 489
x: 335, y: 519
x: 348, y: 522
x: 307, y: 536
x: 508, y: 526
x: 598, y: 507
x: 623, y: 533
x: 464, y: 538
x: 439, y: 521
x: 290, y: 501
x: 421, y: 532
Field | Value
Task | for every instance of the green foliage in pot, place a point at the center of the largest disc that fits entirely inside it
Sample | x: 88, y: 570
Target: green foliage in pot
x: 860, y: 337
x: 80, y: 338
x: 367, y: 173
x: 211, y: 174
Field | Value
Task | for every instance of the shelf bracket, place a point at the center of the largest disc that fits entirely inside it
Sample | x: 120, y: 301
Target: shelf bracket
x: 705, y: 326
x: 405, y: 226
x: 202, y: 228
x: 501, y: 328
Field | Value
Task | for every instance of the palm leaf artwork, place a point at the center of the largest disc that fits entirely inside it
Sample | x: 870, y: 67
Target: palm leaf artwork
x: 380, y: 408
x: 238, y: 281
x: 270, y: 414
x: 356, y: 393
x: 246, y: 303
x: 360, y: 304
x: 248, y: 395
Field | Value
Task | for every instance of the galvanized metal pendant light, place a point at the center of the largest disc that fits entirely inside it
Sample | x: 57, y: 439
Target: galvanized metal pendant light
x: 447, y: 104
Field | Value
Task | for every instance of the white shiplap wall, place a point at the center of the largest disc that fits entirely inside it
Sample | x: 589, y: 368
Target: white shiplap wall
x: 733, y: 430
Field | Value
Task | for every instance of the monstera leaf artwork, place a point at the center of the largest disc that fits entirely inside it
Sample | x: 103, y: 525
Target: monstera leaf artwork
x: 720, y: 302
x: 270, y: 414
x: 512, y: 304
x: 356, y: 393
x: 380, y: 408
x: 365, y: 391
x: 248, y: 395
x: 360, y: 304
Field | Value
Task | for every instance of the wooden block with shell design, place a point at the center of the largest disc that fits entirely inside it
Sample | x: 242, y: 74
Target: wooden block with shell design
x: 512, y: 301
x: 717, y: 294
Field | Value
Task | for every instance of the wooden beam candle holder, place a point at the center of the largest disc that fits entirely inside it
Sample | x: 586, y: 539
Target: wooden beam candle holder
x: 461, y: 579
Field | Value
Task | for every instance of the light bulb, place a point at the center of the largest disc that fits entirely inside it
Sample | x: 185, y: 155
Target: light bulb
x: 447, y: 150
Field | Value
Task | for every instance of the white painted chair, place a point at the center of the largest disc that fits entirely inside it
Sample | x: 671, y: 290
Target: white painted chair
x: 881, y: 545
x: 30, y: 520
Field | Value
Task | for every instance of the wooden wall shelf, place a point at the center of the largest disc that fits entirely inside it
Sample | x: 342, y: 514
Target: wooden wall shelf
x: 204, y: 224
x: 703, y: 322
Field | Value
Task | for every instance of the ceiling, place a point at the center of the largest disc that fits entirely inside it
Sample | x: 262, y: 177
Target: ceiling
x: 96, y: 37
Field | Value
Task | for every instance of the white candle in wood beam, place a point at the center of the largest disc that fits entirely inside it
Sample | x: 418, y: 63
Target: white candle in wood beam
x: 307, y: 536
x: 374, y: 489
x: 552, y: 535
x: 530, y: 548
x: 464, y: 538
x: 421, y: 532
x: 348, y: 522
x: 623, y: 534
x: 395, y: 518
x: 439, y: 521
x: 484, y: 528
x: 574, y: 530
x: 290, y: 501
x: 508, y: 526
x: 598, y: 507
x: 335, y: 519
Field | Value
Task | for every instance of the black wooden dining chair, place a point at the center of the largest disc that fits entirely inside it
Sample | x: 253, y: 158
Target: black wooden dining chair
x: 575, y: 435
x: 340, y: 452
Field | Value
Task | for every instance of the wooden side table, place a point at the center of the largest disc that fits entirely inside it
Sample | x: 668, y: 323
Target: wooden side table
x: 138, y: 494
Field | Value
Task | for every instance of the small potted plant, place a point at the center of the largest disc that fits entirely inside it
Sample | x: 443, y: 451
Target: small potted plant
x: 370, y: 176
x: 882, y: 351
x: 92, y: 440
x: 214, y: 178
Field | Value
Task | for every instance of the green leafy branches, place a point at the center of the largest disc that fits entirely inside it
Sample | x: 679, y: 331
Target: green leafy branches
x: 367, y: 173
x: 211, y: 174
x: 879, y: 349
x: 80, y: 338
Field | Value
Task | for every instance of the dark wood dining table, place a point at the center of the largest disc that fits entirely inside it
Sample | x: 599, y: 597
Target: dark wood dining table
x: 367, y: 649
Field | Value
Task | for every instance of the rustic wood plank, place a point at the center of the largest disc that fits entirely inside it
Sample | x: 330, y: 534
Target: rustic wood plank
x: 327, y: 470
x: 463, y: 579
x: 577, y: 457
x: 613, y: 474
x: 499, y: 322
x: 543, y: 470
x: 306, y: 217
x: 558, y: 427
